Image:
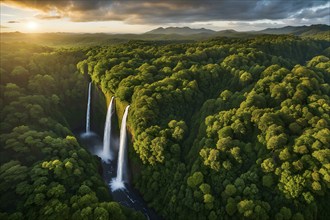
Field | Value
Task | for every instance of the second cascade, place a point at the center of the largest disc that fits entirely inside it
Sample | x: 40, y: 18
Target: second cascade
x: 107, y: 153
x: 119, y: 181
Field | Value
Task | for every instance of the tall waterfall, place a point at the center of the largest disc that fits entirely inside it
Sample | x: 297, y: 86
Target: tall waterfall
x: 88, y: 113
x: 122, y: 157
x: 107, y: 154
x: 118, y: 183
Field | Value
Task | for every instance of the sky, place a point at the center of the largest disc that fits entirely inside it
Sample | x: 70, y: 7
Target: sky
x: 139, y: 16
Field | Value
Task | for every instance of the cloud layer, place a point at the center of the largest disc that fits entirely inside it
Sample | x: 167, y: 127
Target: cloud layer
x: 177, y: 11
x: 13, y: 22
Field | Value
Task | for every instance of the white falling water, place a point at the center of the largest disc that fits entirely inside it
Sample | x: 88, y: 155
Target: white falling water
x: 118, y: 182
x: 107, y: 152
x: 88, y: 113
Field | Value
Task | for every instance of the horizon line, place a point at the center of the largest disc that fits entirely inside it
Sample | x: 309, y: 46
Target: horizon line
x: 164, y: 27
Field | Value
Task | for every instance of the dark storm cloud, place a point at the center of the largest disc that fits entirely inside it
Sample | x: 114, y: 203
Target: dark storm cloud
x: 13, y: 22
x: 172, y: 11
x: 310, y: 14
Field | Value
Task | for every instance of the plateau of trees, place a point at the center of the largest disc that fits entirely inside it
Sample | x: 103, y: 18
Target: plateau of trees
x: 225, y: 128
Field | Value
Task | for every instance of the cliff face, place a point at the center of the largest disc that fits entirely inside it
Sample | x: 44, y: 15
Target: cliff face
x: 98, y: 110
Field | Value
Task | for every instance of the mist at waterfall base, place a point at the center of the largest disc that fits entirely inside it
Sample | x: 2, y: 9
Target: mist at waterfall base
x: 124, y: 193
x: 127, y: 195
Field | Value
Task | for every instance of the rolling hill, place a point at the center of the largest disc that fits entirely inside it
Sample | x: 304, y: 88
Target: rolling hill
x: 180, y: 31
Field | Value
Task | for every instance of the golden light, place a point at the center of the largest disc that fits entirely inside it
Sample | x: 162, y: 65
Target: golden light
x: 32, y: 25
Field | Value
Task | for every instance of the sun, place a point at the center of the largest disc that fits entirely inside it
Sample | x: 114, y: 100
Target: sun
x: 32, y: 25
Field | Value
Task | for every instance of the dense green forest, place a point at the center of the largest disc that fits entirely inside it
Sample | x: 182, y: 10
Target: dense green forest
x: 45, y: 173
x: 226, y: 128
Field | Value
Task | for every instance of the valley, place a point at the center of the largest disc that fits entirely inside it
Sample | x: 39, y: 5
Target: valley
x: 218, y: 128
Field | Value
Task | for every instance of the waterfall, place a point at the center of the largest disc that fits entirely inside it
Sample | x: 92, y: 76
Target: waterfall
x: 88, y: 113
x: 121, y: 168
x: 107, y: 152
x: 118, y: 182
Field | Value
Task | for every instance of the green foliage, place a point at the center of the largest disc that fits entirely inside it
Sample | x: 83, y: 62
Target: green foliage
x: 231, y: 207
x: 234, y: 126
x: 224, y: 128
x: 230, y: 189
x: 45, y: 173
x: 267, y: 181
x: 255, y: 144
x: 195, y: 180
x: 245, y: 207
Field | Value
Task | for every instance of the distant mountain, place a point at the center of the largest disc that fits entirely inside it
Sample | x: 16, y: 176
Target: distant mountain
x: 232, y: 33
x: 180, y: 31
x: 297, y: 30
x: 303, y: 31
x: 177, y: 34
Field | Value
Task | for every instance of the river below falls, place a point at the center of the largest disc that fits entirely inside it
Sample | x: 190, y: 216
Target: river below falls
x: 128, y: 197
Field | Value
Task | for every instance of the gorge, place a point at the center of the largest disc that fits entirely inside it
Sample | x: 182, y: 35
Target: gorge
x: 226, y: 128
x: 115, y: 162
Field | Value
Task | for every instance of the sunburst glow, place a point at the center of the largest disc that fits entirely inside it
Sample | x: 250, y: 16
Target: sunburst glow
x: 32, y: 25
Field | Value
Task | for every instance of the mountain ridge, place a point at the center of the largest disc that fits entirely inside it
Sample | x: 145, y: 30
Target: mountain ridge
x: 297, y: 30
x: 321, y: 32
x: 180, y: 31
x: 293, y: 30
